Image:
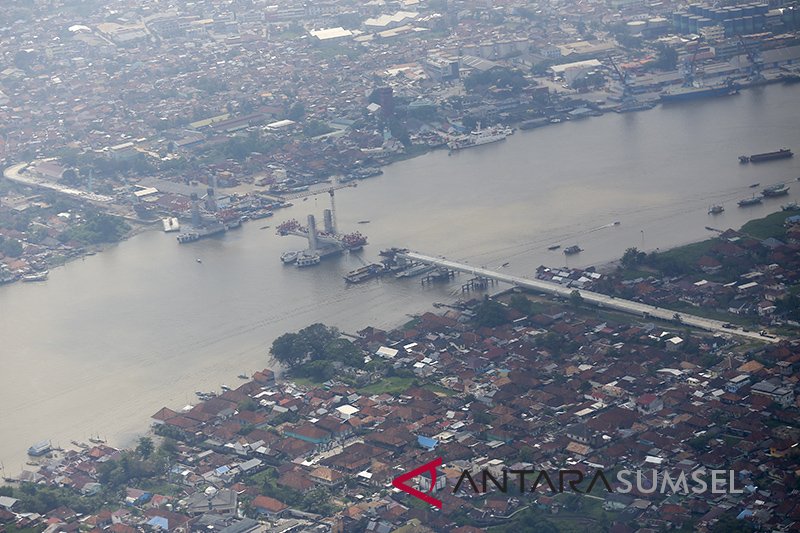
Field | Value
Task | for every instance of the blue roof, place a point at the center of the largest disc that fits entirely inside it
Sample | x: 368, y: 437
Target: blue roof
x: 159, y: 522
x: 427, y: 442
x: 744, y: 514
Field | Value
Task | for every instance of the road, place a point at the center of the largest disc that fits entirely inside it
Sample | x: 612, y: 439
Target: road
x: 595, y: 298
x: 15, y: 173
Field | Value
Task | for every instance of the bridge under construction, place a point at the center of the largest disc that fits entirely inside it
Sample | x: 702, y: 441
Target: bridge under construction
x: 594, y: 298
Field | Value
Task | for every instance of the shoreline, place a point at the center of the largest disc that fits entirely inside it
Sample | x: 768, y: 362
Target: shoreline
x: 12, y: 174
x: 399, y: 323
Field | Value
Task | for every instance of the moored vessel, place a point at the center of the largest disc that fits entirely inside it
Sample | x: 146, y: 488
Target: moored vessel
x: 307, y: 259
x: 479, y: 137
x: 38, y: 276
x: 189, y: 236
x: 40, y: 448
x: 289, y: 257
x: 776, y: 190
x: 754, y: 200
x: 693, y: 93
x: 783, y: 153
x: 364, y: 273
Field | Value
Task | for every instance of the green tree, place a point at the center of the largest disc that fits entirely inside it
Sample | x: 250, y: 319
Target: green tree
x: 490, y: 313
x: 526, y: 454
x: 317, y: 500
x: 145, y: 447
x: 633, y: 257
x: 575, y: 298
x: 168, y: 447
x: 317, y: 337
x: 248, y: 405
x: 318, y: 344
x: 501, y: 78
x: 521, y: 303
x: 482, y: 417
x: 11, y: 247
x: 667, y: 57
x: 297, y: 111
x: 345, y: 351
x: 289, y: 350
x: 315, y: 128
x: 318, y: 370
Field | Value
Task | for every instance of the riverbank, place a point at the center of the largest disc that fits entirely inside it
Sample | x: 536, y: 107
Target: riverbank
x: 295, y: 445
x: 148, y: 311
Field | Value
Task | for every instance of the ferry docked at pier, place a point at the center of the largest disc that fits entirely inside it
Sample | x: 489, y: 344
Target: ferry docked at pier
x: 479, y: 137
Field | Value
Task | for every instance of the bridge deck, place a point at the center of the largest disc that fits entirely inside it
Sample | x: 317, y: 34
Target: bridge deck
x: 595, y: 298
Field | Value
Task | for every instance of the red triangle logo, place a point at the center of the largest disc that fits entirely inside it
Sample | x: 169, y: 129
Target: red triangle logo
x: 400, y: 482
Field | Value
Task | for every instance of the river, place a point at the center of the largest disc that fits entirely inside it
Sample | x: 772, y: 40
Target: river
x: 110, y: 339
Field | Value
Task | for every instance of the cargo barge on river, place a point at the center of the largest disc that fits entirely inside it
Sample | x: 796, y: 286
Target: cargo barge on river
x: 783, y: 153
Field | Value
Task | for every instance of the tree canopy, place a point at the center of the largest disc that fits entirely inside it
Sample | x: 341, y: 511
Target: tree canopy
x: 502, y: 78
x: 313, y: 351
x: 490, y: 313
x: 633, y: 257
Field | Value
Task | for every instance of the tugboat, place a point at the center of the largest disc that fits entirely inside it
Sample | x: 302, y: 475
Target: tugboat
x: 715, y: 209
x: 572, y: 250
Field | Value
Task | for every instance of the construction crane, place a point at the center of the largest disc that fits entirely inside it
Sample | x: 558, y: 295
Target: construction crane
x: 756, y: 62
x: 688, y: 75
x: 627, y: 93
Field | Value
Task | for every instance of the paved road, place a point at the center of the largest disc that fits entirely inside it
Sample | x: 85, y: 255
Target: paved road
x: 600, y: 300
x: 15, y: 173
